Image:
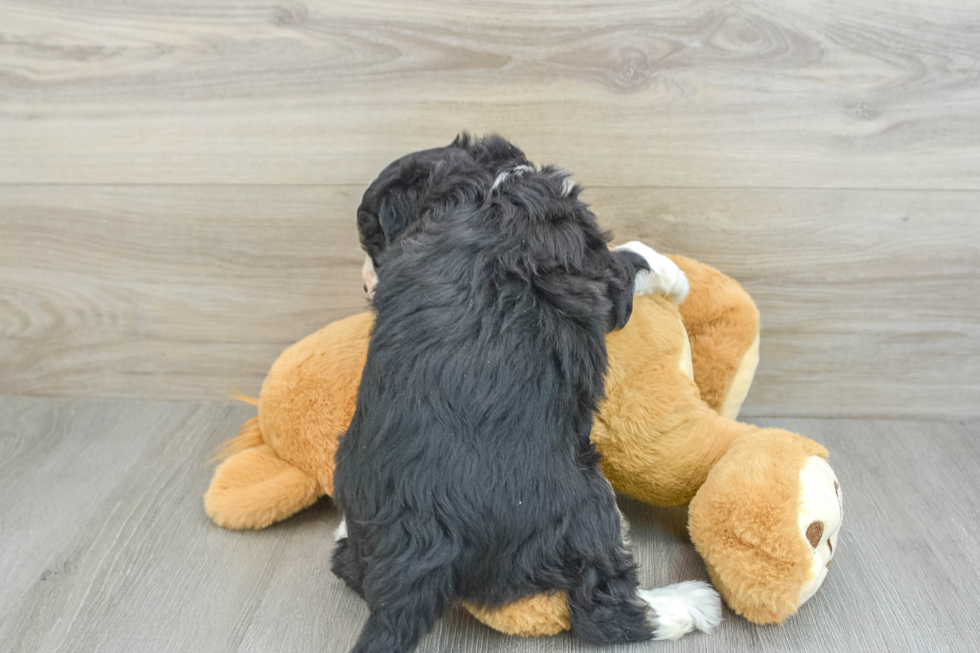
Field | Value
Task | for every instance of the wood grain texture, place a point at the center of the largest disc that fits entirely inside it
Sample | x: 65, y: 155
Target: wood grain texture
x: 105, y: 546
x: 167, y: 292
x: 800, y: 93
x: 868, y: 298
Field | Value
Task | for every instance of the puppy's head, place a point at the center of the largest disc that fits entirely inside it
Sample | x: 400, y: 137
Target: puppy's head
x: 404, y: 194
x: 550, y: 239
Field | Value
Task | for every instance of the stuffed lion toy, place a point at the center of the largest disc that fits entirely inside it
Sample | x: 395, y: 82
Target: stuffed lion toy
x: 765, y: 507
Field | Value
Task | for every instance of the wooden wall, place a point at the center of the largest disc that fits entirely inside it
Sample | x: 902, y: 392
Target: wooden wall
x: 178, y: 179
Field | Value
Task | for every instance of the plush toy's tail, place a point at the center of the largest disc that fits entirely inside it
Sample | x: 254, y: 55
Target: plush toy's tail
x: 249, y: 435
x: 254, y: 487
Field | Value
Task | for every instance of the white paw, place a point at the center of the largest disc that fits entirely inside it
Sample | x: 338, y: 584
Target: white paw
x: 682, y: 607
x: 664, y: 278
x: 820, y: 518
x: 341, y: 531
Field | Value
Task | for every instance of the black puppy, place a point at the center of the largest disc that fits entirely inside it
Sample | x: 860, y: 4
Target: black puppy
x: 467, y: 472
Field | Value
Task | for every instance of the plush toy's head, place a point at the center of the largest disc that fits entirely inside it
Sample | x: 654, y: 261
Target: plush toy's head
x: 766, y: 521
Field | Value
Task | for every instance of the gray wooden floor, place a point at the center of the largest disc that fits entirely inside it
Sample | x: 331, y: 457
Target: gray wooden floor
x: 104, y: 544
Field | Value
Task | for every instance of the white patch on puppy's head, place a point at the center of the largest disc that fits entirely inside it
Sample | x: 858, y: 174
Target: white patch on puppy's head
x: 517, y: 170
x: 567, y: 184
x: 565, y: 177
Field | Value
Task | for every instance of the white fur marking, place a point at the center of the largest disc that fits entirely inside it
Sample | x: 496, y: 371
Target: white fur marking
x: 567, y: 184
x: 820, y: 500
x: 507, y: 173
x: 682, y: 607
x: 341, y: 531
x: 664, y: 278
x: 368, y: 275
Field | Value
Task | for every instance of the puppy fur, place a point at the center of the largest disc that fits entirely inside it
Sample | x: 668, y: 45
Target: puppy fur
x: 467, y: 472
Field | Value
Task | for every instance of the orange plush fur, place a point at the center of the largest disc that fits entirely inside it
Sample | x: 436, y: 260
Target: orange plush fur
x: 659, y: 432
x: 722, y: 326
x: 753, y: 550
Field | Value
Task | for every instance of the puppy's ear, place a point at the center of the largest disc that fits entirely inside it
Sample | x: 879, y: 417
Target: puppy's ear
x: 369, y: 229
x: 623, y: 269
x: 390, y: 205
x: 399, y: 208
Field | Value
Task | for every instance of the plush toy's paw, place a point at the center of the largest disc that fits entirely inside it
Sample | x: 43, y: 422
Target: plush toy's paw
x: 678, y: 609
x: 664, y: 278
x: 821, y: 514
x: 532, y: 616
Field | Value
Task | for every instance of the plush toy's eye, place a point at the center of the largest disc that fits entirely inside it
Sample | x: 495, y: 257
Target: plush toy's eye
x: 814, y: 532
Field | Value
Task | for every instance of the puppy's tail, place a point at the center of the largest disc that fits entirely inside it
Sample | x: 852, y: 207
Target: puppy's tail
x: 397, y: 623
x: 681, y: 608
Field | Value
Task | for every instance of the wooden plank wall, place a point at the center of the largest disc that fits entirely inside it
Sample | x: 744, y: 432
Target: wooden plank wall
x: 178, y: 180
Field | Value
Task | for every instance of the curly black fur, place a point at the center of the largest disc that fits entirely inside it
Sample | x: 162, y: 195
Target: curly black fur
x: 467, y: 472
x: 406, y: 191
